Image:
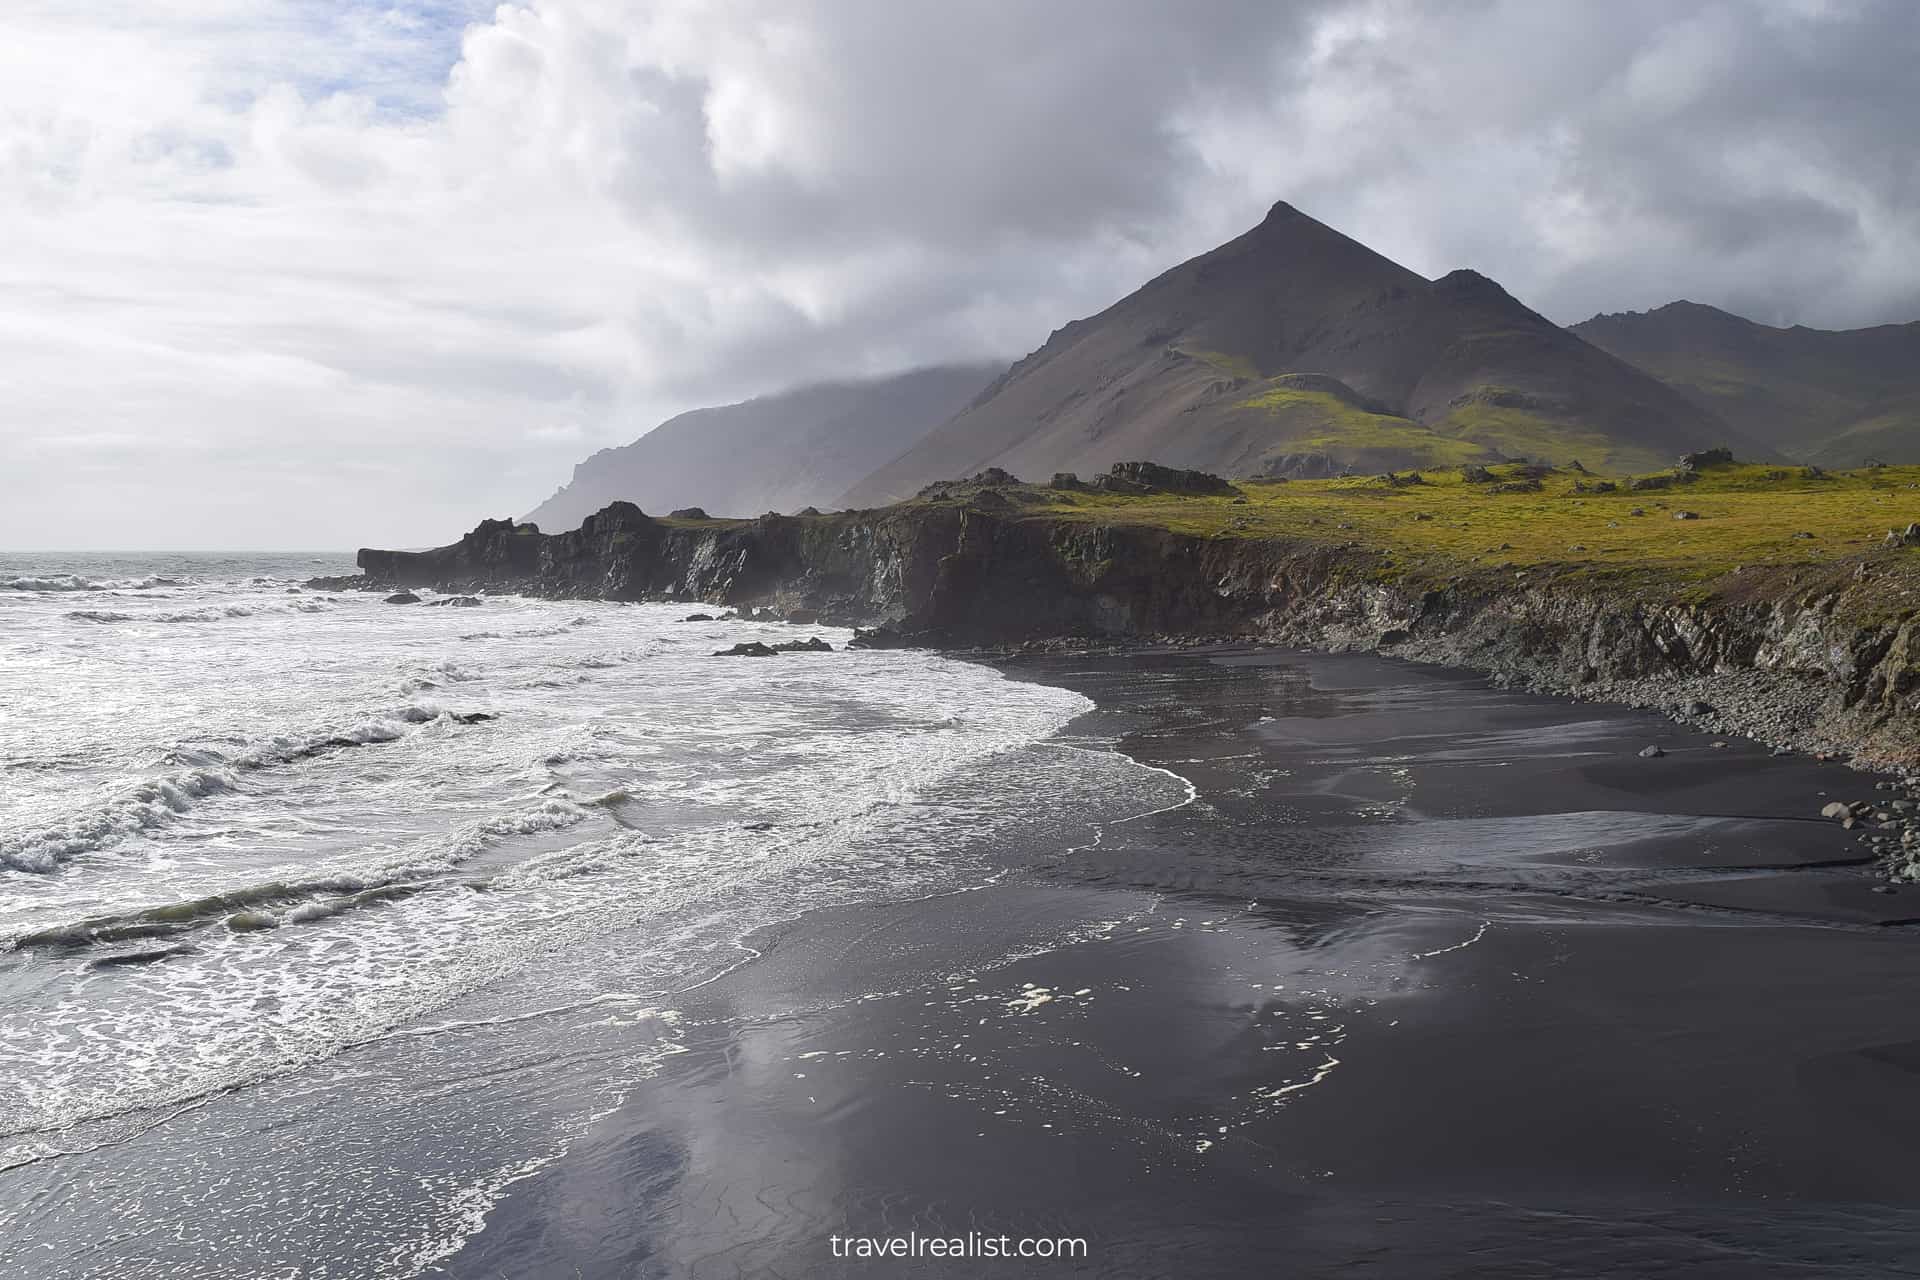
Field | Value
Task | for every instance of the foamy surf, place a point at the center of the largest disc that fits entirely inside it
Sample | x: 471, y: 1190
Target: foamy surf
x: 75, y: 582
x: 256, y: 856
x: 120, y: 812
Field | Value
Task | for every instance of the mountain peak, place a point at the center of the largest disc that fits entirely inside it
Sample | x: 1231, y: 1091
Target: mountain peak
x: 1467, y: 280
x: 1680, y: 315
x: 1688, y: 307
x: 1199, y: 367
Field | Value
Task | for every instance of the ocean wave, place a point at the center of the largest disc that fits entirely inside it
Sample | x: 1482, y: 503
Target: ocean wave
x: 200, y: 772
x: 74, y: 582
x: 532, y: 633
x: 211, y: 613
x: 321, y: 898
x: 305, y: 901
x: 189, y: 615
x: 151, y: 804
x: 552, y: 814
x: 433, y: 677
x: 62, y: 582
x: 330, y: 908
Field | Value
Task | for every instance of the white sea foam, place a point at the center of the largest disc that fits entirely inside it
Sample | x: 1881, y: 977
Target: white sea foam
x: 76, y: 582
x: 218, y: 613
x: 147, y: 804
x: 141, y: 807
x: 632, y: 805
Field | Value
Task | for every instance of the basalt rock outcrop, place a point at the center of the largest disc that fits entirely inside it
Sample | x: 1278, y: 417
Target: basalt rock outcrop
x: 842, y: 568
x: 1151, y: 477
x: 1780, y: 655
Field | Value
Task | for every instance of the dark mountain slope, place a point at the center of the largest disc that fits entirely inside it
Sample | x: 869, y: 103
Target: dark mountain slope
x: 1883, y: 431
x: 776, y: 453
x: 1835, y: 396
x: 1295, y: 348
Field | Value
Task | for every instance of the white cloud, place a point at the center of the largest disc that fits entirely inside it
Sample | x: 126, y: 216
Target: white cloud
x: 276, y: 273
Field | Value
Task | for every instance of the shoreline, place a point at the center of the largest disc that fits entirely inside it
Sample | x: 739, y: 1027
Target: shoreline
x: 1790, y: 711
x: 1827, y: 621
x: 1787, y: 708
x: 1778, y: 708
x: 1272, y: 1026
x: 1761, y: 707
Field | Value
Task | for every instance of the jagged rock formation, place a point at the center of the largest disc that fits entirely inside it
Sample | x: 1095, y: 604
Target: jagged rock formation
x: 1151, y: 477
x: 1840, y: 397
x: 950, y: 573
x: 1293, y: 349
x: 776, y: 453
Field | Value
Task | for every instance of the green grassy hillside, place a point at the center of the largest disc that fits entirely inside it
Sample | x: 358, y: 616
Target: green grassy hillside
x: 1306, y: 413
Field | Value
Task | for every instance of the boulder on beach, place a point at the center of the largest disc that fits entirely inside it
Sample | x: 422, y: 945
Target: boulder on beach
x: 698, y: 617
x: 812, y: 644
x: 403, y: 597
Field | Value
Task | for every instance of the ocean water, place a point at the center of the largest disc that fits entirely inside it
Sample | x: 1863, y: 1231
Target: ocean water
x: 332, y: 919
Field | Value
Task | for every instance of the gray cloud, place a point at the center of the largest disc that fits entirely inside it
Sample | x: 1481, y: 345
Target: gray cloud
x: 276, y: 281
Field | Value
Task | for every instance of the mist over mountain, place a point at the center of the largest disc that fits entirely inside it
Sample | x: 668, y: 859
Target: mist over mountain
x: 1294, y: 349
x: 780, y: 452
x: 1838, y: 397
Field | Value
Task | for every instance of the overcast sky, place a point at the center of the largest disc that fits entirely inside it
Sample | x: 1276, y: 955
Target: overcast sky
x: 317, y: 273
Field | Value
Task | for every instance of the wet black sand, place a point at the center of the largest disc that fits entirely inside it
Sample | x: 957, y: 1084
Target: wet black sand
x: 1429, y: 980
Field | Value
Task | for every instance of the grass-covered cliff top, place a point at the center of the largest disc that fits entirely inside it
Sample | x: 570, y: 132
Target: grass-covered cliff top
x: 1745, y: 514
x: 1775, y: 524
x: 1750, y: 531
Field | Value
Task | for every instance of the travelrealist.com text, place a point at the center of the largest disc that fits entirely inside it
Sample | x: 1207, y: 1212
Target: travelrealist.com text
x: 974, y: 1244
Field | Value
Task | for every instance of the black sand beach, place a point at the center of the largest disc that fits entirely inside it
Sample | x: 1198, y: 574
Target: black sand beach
x: 1428, y: 979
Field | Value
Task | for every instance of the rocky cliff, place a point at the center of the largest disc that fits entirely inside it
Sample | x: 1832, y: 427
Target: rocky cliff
x: 1787, y: 658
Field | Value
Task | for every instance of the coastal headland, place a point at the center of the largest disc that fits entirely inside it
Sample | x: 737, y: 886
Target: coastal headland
x: 1775, y: 602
